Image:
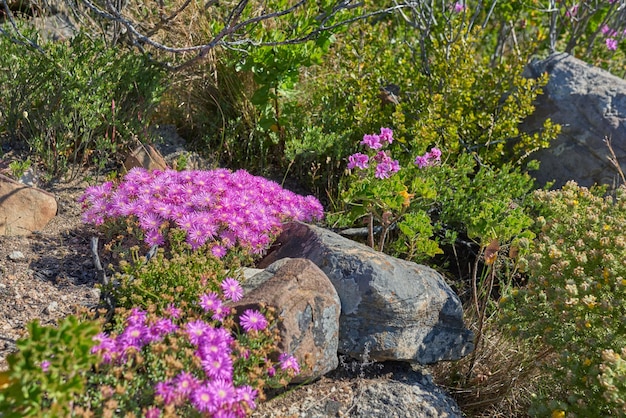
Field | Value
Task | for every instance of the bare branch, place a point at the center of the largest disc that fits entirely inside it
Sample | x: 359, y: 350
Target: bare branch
x: 20, y: 39
x: 233, y: 27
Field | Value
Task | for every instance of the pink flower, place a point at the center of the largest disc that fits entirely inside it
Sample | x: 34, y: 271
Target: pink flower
x: 289, y: 362
x: 209, y: 301
x: 220, y: 312
x: 166, y: 391
x: 372, y: 141
x: 611, y: 44
x: 232, y: 289
x: 185, y: 383
x: 386, y: 135
x: 223, y: 392
x: 173, y: 311
x: 45, y: 365
x: 358, y: 160
x: 196, y: 330
x: 571, y: 13
x: 153, y: 412
x: 458, y: 7
x: 434, y: 154
x: 252, y: 320
x: 218, y: 366
x: 247, y: 395
x: 202, y: 398
x: 218, y: 251
x: 430, y: 158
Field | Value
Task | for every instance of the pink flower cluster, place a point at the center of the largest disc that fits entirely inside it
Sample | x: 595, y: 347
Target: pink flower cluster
x: 385, y: 165
x: 611, y: 36
x: 215, y: 393
x: 216, y: 206
x: 430, y: 158
x: 378, y: 141
x: 459, y: 7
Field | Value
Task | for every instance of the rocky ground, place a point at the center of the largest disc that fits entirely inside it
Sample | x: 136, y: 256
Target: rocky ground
x: 47, y: 274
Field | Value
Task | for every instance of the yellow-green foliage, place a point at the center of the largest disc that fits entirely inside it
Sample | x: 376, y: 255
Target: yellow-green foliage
x: 460, y: 102
x: 575, y: 299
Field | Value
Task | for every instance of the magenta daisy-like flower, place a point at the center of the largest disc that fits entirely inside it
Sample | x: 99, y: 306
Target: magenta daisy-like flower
x: 220, y: 312
x: 165, y: 391
x: 209, y: 301
x: 153, y: 412
x: 289, y: 362
x: 252, y: 320
x: 218, y: 366
x: 202, y: 398
x: 223, y: 391
x: 185, y: 382
x: 232, y: 289
x: 173, y: 311
x: 247, y: 394
x: 218, y: 251
x: 196, y: 330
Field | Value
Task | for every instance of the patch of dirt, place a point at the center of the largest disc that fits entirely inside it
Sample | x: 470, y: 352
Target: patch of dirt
x: 45, y: 275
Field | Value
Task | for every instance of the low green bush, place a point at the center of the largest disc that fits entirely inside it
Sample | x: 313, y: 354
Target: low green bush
x: 48, y: 373
x: 76, y: 102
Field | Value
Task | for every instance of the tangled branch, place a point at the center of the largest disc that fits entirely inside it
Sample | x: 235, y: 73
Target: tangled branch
x: 235, y: 31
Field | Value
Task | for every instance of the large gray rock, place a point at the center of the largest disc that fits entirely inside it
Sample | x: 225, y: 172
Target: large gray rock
x: 590, y: 104
x: 309, y: 308
x: 391, y: 309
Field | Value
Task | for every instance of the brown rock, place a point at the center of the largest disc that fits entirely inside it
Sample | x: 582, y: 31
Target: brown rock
x: 147, y: 157
x: 24, y: 209
x: 309, y: 308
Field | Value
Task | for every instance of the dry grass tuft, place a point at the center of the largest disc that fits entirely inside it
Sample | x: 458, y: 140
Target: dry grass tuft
x: 505, y: 374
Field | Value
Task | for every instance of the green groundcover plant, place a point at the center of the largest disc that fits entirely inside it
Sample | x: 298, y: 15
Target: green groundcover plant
x: 575, y: 300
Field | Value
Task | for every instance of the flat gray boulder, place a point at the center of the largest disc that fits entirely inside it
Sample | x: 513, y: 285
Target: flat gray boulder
x: 391, y: 309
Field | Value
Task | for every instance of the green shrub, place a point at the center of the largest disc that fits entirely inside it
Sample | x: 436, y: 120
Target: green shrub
x: 77, y: 101
x: 575, y: 299
x: 436, y: 203
x: 177, y: 276
x: 48, y: 372
x: 462, y: 103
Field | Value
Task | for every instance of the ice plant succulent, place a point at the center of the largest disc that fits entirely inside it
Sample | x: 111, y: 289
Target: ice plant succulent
x: 210, y: 378
x: 217, y: 206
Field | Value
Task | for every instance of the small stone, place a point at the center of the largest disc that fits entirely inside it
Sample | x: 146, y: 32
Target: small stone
x: 95, y: 293
x: 16, y: 256
x: 52, y: 307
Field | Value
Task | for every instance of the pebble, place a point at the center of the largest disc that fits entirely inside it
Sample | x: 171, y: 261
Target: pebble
x: 52, y: 307
x: 16, y: 256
